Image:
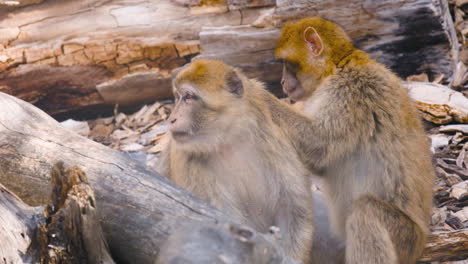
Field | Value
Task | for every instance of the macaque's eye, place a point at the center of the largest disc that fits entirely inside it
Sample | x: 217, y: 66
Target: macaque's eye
x: 189, y: 97
x: 291, y: 66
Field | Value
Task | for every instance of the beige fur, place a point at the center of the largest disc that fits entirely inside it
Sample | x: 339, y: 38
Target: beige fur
x: 366, y: 140
x: 236, y: 157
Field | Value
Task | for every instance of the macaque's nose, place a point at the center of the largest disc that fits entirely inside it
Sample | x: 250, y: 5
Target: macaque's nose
x: 173, y: 120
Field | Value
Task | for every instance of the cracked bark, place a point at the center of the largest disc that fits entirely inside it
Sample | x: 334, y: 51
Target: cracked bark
x: 390, y: 31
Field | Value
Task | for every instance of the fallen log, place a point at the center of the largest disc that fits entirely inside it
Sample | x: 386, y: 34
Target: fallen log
x: 138, y: 208
x: 68, y: 232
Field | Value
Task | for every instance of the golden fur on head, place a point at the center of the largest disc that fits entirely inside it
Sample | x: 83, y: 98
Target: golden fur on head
x: 211, y: 74
x: 338, y: 48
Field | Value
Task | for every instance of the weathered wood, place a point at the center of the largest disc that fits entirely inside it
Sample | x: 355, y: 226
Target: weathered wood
x: 54, y: 68
x: 18, y: 223
x: 72, y: 233
x: 138, y: 209
x: 446, y: 246
x: 247, y: 47
x: 84, y: 65
x: 438, y: 103
x: 66, y: 232
x: 410, y: 37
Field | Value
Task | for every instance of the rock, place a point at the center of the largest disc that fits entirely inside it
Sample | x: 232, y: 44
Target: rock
x: 79, y: 127
x: 460, y: 191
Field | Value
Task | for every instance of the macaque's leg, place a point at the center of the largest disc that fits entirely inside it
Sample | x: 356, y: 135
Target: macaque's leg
x: 379, y: 233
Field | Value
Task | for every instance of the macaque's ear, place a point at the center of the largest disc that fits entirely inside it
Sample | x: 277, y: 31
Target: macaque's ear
x: 314, y: 41
x: 234, y: 83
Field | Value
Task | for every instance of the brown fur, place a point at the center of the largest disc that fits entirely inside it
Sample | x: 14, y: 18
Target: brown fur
x: 228, y: 151
x: 365, y: 139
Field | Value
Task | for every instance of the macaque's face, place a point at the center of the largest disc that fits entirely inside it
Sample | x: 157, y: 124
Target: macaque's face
x: 304, y: 61
x: 208, y: 96
x: 190, y: 116
x: 291, y: 86
x: 297, y: 84
x: 201, y: 120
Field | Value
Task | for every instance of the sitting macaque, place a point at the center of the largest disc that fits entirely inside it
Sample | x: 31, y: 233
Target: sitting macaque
x: 226, y: 149
x: 364, y: 138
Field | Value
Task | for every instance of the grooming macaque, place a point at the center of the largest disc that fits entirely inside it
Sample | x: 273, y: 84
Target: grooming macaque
x: 226, y: 149
x: 364, y: 138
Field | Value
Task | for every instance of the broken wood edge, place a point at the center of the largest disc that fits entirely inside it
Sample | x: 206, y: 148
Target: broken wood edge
x: 72, y: 232
x: 446, y: 246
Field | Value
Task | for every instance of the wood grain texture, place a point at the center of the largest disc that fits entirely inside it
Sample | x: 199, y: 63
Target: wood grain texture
x: 18, y: 224
x: 109, y: 44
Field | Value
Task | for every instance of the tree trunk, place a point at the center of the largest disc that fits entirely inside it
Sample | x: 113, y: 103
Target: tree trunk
x: 98, y: 54
x: 71, y: 232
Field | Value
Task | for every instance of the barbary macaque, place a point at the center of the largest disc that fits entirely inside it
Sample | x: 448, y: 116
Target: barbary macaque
x: 364, y: 138
x: 226, y: 149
